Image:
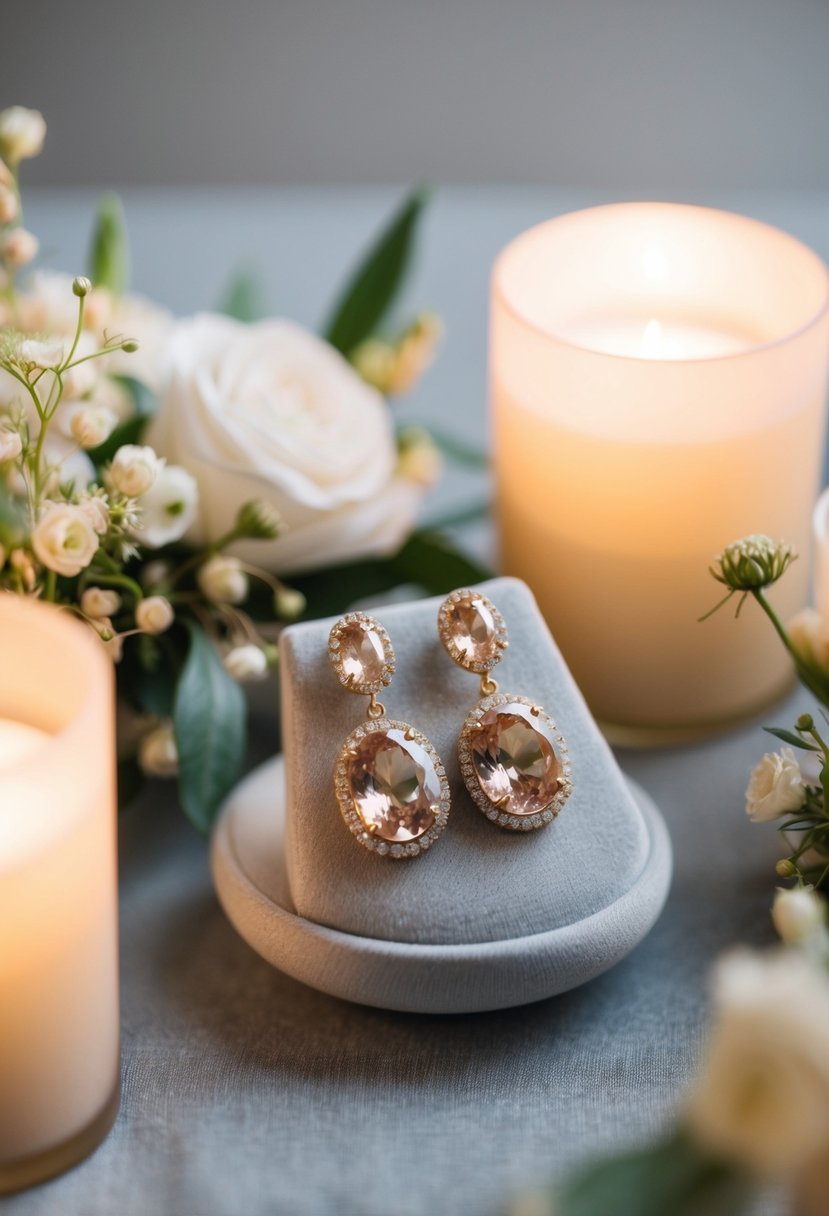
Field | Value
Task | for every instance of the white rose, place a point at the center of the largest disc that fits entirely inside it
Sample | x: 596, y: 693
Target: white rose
x: 20, y: 247
x: 223, y: 580
x: 775, y: 787
x: 269, y: 411
x: 134, y: 469
x: 98, y: 602
x: 158, y: 755
x: 799, y: 915
x: 90, y: 425
x: 64, y: 540
x: 154, y: 614
x: 22, y: 132
x: 246, y: 663
x: 11, y: 445
x: 763, y: 1098
x: 168, y: 509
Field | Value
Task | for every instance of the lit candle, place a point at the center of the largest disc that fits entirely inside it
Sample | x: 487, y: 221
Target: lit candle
x: 59, y: 1053
x: 658, y: 381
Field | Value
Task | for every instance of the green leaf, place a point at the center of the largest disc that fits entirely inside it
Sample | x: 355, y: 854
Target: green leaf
x: 673, y: 1177
x: 244, y: 298
x: 788, y: 737
x: 435, y: 564
x: 459, y: 452
x: 372, y: 290
x: 109, y: 259
x: 209, y: 717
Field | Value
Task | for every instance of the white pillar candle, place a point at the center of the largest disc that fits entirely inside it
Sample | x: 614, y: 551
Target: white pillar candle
x: 658, y: 381
x: 59, y: 1042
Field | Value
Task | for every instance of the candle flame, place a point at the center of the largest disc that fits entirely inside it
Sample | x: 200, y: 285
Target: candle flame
x: 652, y: 340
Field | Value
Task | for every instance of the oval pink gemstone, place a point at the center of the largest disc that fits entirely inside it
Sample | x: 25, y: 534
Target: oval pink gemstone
x: 472, y: 628
x: 394, y: 786
x: 515, y: 759
x: 361, y: 653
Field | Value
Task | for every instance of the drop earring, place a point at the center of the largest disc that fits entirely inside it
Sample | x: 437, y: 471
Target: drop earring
x: 514, y: 760
x: 390, y: 784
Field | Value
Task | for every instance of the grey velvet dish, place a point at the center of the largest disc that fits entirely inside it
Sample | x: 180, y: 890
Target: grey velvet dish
x: 487, y: 918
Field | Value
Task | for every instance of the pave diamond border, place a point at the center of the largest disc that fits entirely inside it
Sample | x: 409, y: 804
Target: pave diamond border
x: 335, y: 640
x: 351, y: 816
x: 502, y: 819
x: 480, y: 667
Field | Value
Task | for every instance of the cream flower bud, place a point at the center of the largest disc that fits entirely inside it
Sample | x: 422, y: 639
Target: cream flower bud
x: 81, y: 286
x: 158, y: 754
x: 11, y: 445
x: 97, y: 602
x: 154, y: 614
x: 799, y: 915
x: 752, y: 563
x: 289, y: 604
x: 19, y: 247
x: 419, y: 459
x: 258, y: 520
x: 223, y: 580
x: 90, y: 425
x: 246, y: 663
x: 9, y: 206
x: 64, y: 540
x: 155, y: 573
x: 96, y: 511
x: 775, y: 787
x: 22, y: 132
x: 134, y: 470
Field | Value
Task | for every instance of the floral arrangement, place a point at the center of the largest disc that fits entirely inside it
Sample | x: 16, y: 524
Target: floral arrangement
x: 759, y: 1111
x: 162, y: 479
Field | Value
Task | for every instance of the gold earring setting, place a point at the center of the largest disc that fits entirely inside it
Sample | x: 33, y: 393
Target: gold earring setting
x: 514, y: 760
x: 390, y: 784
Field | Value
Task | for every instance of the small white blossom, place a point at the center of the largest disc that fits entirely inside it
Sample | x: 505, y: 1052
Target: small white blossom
x: 799, y: 916
x: 775, y: 787
x: 98, y: 602
x: 19, y: 247
x: 223, y: 580
x: 246, y: 663
x: 22, y: 132
x: 90, y: 425
x: 134, y: 470
x: 64, y: 540
x: 289, y: 603
x: 9, y: 205
x: 167, y: 509
x: 158, y: 755
x: 154, y: 614
x: 11, y: 445
x: 763, y: 1098
x: 39, y: 352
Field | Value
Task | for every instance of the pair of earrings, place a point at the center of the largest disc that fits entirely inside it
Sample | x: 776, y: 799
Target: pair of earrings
x: 389, y: 781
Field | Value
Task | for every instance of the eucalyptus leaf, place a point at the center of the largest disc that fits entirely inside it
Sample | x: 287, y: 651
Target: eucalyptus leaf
x: 244, y: 298
x: 209, y: 718
x: 673, y: 1177
x: 788, y: 737
x: 109, y: 259
x: 372, y: 290
x: 433, y: 562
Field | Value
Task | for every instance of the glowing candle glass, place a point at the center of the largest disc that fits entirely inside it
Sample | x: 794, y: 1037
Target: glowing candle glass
x: 59, y: 1041
x: 658, y: 385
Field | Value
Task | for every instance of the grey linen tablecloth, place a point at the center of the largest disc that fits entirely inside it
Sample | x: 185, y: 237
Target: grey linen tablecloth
x: 247, y: 1094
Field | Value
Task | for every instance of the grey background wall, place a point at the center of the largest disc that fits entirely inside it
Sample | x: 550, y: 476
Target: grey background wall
x: 633, y: 94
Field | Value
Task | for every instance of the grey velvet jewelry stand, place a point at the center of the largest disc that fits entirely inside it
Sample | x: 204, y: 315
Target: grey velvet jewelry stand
x: 487, y: 918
